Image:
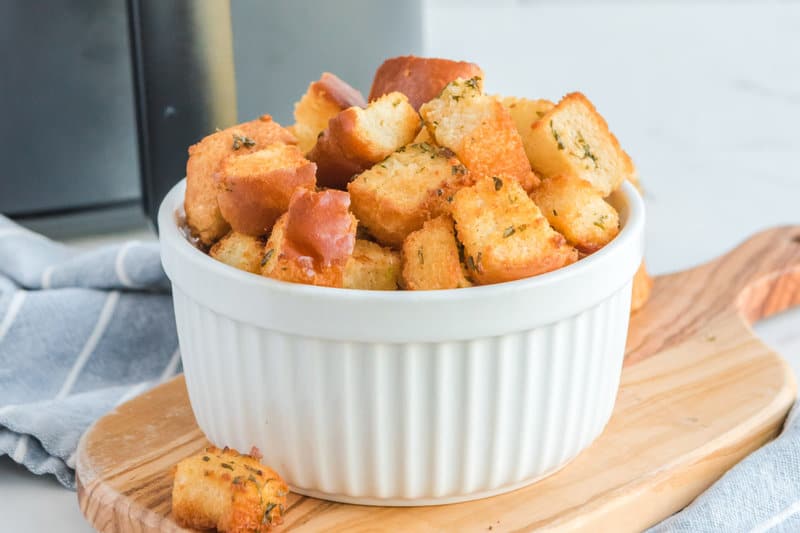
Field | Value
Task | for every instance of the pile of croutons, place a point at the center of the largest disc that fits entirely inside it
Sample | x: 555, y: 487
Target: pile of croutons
x: 430, y: 184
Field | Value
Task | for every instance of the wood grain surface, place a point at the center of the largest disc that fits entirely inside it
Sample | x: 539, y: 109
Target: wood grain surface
x: 702, y: 394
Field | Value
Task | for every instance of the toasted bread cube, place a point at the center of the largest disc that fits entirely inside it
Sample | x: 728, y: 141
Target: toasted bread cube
x: 202, y: 211
x: 313, y: 241
x: 255, y: 188
x: 526, y: 113
x: 372, y: 267
x: 356, y: 138
x: 504, y: 234
x: 479, y: 130
x: 431, y: 259
x: 239, y: 251
x: 419, y: 78
x: 642, y: 287
x: 394, y: 197
x: 229, y: 491
x: 577, y: 210
x: 323, y: 100
x: 572, y: 138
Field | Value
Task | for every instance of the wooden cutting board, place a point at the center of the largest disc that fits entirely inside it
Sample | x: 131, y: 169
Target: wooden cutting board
x: 704, y: 392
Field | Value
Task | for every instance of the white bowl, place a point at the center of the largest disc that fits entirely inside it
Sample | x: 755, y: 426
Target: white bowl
x: 404, y: 398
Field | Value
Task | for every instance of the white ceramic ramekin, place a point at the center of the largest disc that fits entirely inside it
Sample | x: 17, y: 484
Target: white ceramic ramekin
x: 404, y: 398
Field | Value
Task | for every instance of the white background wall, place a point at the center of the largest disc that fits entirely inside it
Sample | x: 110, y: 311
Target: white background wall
x: 705, y: 96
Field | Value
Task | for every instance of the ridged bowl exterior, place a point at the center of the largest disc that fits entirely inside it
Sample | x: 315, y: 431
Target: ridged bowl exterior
x: 404, y: 398
x: 411, y: 423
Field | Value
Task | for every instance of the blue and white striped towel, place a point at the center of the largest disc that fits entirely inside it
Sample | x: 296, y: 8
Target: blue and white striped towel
x: 83, y: 332
x: 80, y: 332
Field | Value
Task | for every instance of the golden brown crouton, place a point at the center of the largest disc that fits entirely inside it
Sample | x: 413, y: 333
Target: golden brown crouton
x: 372, y: 267
x: 202, y: 212
x: 228, y: 491
x: 577, y: 210
x: 313, y: 241
x: 255, y: 188
x: 525, y: 113
x: 504, y: 234
x: 419, y: 78
x: 572, y: 138
x: 394, y: 197
x: 431, y: 259
x: 424, y: 136
x: 323, y: 100
x: 642, y: 286
x: 239, y: 251
x: 357, y: 138
x: 479, y: 130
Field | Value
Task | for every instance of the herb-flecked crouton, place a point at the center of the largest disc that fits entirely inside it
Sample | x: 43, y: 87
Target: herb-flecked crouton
x: 255, y: 188
x: 372, y: 267
x: 395, y: 196
x: 504, y: 234
x: 572, y: 138
x: 479, y: 130
x: 431, y: 257
x: 578, y: 211
x: 227, y: 491
x: 323, y: 100
x: 202, y: 211
x: 526, y: 113
x: 356, y: 138
x: 239, y: 251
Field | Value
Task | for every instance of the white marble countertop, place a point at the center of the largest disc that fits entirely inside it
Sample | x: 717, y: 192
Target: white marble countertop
x: 705, y: 96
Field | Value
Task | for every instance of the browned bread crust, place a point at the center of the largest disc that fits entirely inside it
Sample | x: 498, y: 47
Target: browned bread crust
x: 419, y: 78
x: 313, y: 241
x: 323, y: 100
x: 356, y: 138
x: 202, y: 211
x: 372, y: 267
x: 239, y: 251
x: 255, y: 188
x: 479, y: 130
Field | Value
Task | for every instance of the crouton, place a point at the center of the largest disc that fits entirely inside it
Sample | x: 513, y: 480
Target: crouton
x: 419, y: 78
x: 642, y: 286
x: 372, y: 267
x: 202, y: 211
x: 231, y: 492
x: 394, y: 197
x: 572, y: 138
x: 479, y: 130
x: 504, y: 234
x: 312, y: 242
x: 239, y: 251
x: 525, y: 113
x: 577, y: 210
x: 255, y: 188
x: 323, y: 100
x: 356, y: 138
x: 431, y: 258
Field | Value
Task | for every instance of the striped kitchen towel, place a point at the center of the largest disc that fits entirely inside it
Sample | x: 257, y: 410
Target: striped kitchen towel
x: 80, y: 332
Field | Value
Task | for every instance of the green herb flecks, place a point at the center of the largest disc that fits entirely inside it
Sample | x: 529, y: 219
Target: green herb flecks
x: 242, y: 140
x: 498, y: 183
x: 556, y: 136
x: 226, y: 466
x: 472, y: 83
x: 267, y: 518
x: 458, y: 170
x: 420, y: 256
x: 555, y: 213
x: 267, y: 256
x: 587, y: 151
x: 206, y: 458
x: 509, y: 231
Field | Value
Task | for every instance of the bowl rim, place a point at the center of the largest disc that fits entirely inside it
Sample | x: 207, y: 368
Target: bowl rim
x: 401, y: 316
